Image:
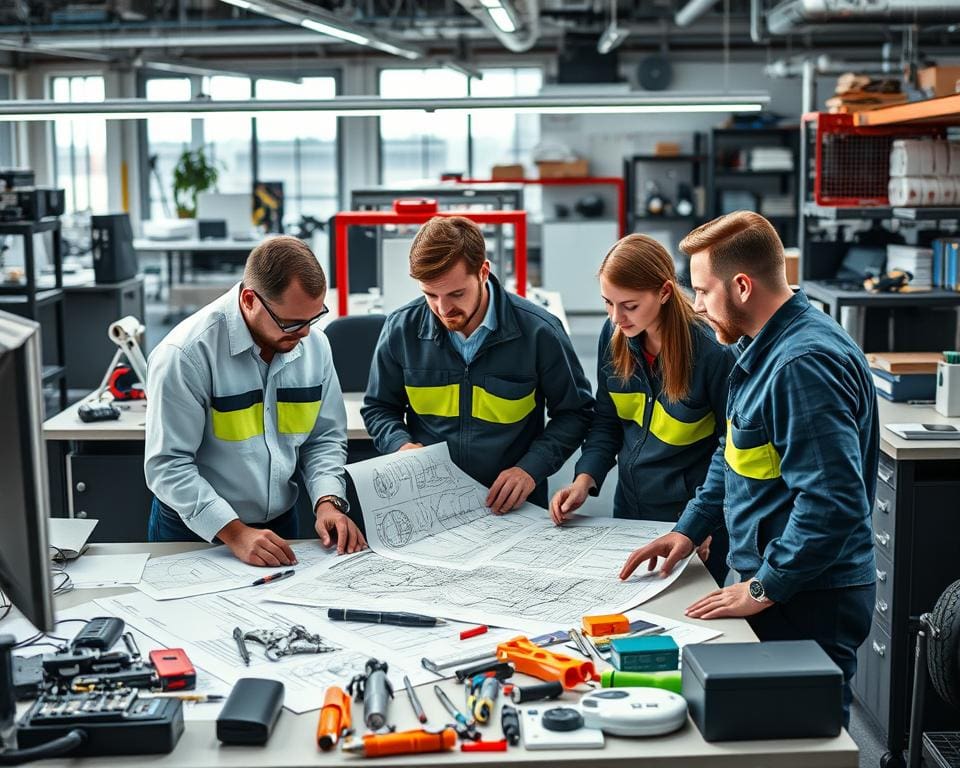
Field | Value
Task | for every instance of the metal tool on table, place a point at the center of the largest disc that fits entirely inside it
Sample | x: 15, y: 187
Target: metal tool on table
x: 373, y: 688
x: 280, y: 642
x: 414, y: 701
x: 465, y: 725
x: 483, y: 698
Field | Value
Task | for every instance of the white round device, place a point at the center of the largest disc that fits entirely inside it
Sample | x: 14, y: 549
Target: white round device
x: 633, y: 711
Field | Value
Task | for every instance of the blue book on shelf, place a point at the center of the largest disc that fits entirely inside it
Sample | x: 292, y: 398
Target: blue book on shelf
x: 900, y: 387
x: 938, y: 251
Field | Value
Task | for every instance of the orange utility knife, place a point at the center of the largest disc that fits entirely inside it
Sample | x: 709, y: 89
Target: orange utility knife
x: 334, y: 717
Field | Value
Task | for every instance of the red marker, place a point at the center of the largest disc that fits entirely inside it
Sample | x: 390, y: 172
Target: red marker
x: 484, y: 746
x: 474, y: 632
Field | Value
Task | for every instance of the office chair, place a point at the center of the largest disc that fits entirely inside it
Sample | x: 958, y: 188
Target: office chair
x: 353, y: 340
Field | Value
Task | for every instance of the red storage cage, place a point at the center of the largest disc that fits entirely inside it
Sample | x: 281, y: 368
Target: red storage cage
x: 852, y: 163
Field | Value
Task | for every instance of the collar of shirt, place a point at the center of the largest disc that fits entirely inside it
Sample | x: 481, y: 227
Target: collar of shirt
x: 751, y: 350
x: 468, y: 345
x: 237, y: 331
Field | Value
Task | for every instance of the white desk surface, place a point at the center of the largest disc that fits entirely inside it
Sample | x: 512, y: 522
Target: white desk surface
x: 194, y: 244
x: 293, y: 742
x: 66, y: 425
x: 914, y: 450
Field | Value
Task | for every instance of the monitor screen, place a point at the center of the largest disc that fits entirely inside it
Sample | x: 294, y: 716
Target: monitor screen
x: 24, y: 556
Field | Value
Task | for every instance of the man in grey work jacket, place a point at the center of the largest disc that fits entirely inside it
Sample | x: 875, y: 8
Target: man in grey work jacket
x: 474, y: 366
x: 242, y: 395
x: 795, y: 475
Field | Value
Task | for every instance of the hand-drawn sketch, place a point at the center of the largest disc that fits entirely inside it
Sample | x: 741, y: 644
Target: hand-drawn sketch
x: 214, y: 570
x: 491, y: 595
x: 387, y: 481
x: 420, y: 507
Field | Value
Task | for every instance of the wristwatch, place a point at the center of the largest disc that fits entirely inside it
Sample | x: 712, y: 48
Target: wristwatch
x: 340, y: 504
x: 757, y: 592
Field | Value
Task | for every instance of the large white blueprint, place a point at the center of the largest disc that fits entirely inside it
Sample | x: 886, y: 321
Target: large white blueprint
x: 420, y: 507
x: 205, y: 571
x: 203, y: 627
x: 511, y: 597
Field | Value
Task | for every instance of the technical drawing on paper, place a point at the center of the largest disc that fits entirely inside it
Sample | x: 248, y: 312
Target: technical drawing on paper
x: 388, y: 480
x: 165, y: 574
x: 488, y: 595
x: 420, y: 507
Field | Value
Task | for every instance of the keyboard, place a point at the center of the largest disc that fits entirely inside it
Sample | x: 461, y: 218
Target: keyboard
x: 942, y: 749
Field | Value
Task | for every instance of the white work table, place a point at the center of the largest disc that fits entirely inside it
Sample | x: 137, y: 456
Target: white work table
x: 294, y: 740
x: 899, y: 449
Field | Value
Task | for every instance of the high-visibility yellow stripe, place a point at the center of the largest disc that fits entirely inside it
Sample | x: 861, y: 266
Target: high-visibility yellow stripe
x: 673, y: 431
x: 241, y: 424
x: 435, y: 401
x: 500, y: 410
x: 630, y: 405
x: 759, y: 463
x: 297, y: 418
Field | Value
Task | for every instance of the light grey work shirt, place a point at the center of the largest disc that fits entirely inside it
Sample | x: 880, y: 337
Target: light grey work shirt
x: 222, y: 443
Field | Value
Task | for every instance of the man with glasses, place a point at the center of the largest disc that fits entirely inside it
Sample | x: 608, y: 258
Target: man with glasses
x: 243, y: 394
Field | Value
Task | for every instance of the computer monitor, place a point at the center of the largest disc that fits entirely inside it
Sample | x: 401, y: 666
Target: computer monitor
x: 235, y: 209
x: 24, y: 556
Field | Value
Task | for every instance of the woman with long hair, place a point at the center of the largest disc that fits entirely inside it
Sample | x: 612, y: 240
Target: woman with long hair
x: 661, y: 395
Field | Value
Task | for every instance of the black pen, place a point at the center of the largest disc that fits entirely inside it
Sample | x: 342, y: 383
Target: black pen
x: 273, y: 577
x: 382, y: 617
x: 414, y: 701
x: 241, y: 645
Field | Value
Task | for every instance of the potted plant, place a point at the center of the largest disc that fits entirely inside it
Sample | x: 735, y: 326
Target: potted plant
x: 193, y: 173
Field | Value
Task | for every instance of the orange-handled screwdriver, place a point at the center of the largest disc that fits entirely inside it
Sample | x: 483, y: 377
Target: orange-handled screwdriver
x: 334, y: 717
x: 403, y: 743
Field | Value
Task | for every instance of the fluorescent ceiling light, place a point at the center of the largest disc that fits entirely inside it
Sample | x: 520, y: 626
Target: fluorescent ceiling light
x: 490, y: 3
x: 314, y: 18
x: 327, y: 29
x: 367, y: 106
x: 501, y: 17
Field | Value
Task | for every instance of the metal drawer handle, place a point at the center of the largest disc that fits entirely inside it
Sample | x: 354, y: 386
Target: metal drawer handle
x: 879, y: 648
x: 882, y: 605
x: 886, y: 476
x: 881, y: 575
x: 883, y: 538
x: 883, y: 505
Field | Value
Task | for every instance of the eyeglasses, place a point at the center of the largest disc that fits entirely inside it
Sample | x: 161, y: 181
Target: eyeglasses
x: 295, y: 325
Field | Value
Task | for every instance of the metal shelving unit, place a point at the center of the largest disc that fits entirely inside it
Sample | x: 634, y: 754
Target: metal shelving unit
x: 29, y: 299
x: 693, y: 161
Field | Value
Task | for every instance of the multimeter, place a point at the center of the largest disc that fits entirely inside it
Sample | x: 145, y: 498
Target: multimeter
x: 634, y: 711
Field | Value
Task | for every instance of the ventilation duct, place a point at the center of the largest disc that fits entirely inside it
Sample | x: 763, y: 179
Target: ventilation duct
x: 791, y: 15
x: 523, y: 16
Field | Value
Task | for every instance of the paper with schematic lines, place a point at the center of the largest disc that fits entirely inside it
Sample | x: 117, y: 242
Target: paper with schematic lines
x: 420, y: 507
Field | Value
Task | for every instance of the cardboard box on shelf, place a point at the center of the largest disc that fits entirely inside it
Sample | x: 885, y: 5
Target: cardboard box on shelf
x: 666, y: 149
x: 791, y: 262
x: 506, y: 172
x: 554, y: 169
x: 942, y: 81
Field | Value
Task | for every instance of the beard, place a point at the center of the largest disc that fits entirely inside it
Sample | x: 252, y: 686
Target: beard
x: 733, y: 323
x: 460, y: 320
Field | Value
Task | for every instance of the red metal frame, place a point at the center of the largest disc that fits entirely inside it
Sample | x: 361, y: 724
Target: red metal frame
x: 573, y: 181
x: 846, y: 125
x: 347, y: 219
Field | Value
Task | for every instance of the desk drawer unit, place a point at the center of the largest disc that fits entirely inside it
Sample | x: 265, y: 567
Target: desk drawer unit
x: 884, y: 520
x: 872, y: 681
x: 883, y: 607
x: 111, y: 489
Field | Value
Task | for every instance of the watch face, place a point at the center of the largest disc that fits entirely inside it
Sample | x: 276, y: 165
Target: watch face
x: 756, y: 590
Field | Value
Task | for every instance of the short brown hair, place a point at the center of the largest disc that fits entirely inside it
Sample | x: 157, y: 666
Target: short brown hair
x: 277, y: 261
x: 442, y: 242
x: 742, y: 241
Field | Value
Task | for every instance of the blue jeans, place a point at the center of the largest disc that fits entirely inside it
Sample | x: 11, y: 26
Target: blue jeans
x: 167, y: 525
x: 838, y: 619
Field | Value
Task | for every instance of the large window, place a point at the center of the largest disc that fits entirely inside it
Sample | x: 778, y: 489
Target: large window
x: 300, y: 152
x: 6, y: 129
x: 167, y: 137
x: 80, y: 156
x: 424, y: 146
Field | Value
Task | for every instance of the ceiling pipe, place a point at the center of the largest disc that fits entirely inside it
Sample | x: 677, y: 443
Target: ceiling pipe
x: 526, y: 11
x: 793, y: 15
x: 692, y: 11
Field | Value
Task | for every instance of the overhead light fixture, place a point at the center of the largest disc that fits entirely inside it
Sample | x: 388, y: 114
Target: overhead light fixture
x: 315, y: 19
x: 373, y: 106
x: 613, y: 35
